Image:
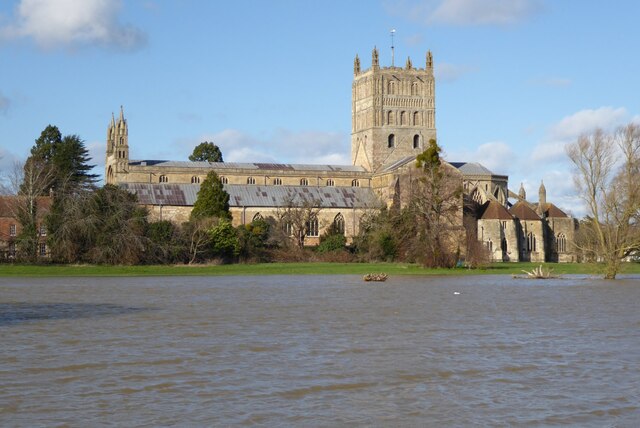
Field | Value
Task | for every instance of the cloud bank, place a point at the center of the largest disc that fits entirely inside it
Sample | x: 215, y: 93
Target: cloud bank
x: 72, y: 24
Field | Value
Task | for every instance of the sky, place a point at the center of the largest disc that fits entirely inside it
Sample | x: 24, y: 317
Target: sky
x: 270, y: 80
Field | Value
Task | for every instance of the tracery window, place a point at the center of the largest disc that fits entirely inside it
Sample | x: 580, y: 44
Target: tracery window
x: 338, y: 223
x: 257, y: 217
x: 561, y: 243
x: 531, y: 242
x: 312, y: 227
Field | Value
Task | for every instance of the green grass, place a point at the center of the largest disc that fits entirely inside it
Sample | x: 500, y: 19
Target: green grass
x: 296, y: 269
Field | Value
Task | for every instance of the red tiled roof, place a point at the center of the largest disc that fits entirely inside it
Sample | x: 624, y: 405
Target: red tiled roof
x: 522, y: 211
x: 495, y: 211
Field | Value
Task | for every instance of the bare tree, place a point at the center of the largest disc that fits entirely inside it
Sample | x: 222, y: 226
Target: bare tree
x: 607, y: 178
x: 298, y: 216
x: 198, y: 236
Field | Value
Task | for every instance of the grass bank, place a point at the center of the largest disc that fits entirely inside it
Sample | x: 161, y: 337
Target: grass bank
x: 16, y: 270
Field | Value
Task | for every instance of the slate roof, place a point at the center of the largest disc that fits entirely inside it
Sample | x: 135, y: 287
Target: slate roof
x: 471, y: 168
x: 522, y: 211
x: 251, y: 166
x: 495, y: 211
x: 245, y: 195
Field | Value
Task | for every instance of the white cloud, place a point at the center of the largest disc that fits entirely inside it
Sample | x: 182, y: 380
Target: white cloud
x: 72, y: 23
x: 284, y: 146
x: 551, y: 151
x: 446, y: 72
x: 587, y: 120
x: 4, y: 104
x: 496, y: 155
x: 466, y: 12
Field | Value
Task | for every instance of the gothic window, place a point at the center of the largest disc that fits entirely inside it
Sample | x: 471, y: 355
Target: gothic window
x: 251, y: 180
x: 391, y: 141
x: 257, y: 217
x: 531, y: 242
x: 416, y: 141
x: 416, y: 118
x: 312, y: 227
x: 338, y: 224
x: 163, y: 179
x: 355, y: 183
x: 195, y: 180
x: 304, y: 182
x: 42, y: 249
x: 277, y: 181
x: 489, y: 244
x: 121, y: 140
x: 224, y: 180
x: 330, y: 182
x: 12, y: 230
x: 561, y: 243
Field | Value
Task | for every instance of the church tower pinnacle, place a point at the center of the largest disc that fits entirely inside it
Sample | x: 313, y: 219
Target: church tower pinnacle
x: 117, y: 148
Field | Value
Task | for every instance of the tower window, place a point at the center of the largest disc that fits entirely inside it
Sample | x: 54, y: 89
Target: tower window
x: 163, y: 179
x: 416, y: 141
x: 251, y: 180
x: 391, y: 141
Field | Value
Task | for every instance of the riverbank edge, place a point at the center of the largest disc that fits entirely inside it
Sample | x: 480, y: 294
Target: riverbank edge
x: 311, y: 268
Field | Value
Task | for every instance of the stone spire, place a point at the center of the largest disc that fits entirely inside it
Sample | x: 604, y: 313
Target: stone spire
x: 375, y: 63
x: 521, y: 193
x: 542, y: 198
x: 429, y: 60
x: 356, y: 65
x: 409, y: 66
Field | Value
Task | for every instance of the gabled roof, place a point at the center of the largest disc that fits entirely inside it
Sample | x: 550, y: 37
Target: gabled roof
x: 493, y: 210
x: 553, y: 211
x: 522, y: 211
x: 245, y: 195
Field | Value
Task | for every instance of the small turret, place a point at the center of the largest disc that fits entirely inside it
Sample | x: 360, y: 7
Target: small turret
x: 429, y: 61
x: 521, y: 193
x: 542, y: 198
x: 356, y: 65
x: 409, y: 66
x: 375, y: 62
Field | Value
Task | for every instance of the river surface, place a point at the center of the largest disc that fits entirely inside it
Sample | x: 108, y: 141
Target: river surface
x: 319, y: 351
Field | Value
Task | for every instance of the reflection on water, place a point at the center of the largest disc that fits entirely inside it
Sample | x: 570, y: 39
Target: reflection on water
x: 15, y: 313
x: 319, y: 351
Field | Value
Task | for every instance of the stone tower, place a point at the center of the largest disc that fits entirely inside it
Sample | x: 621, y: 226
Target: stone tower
x: 117, y: 161
x: 392, y: 112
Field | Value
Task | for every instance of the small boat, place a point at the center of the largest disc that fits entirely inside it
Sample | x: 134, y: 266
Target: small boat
x: 379, y: 277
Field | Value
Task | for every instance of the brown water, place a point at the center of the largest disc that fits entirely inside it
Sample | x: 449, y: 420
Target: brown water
x: 319, y: 351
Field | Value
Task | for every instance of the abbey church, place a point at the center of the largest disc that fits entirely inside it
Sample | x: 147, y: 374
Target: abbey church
x: 392, y: 119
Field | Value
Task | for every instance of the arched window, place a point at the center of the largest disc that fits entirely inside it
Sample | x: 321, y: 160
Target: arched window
x: 391, y: 141
x: 257, y: 217
x: 561, y: 243
x: 391, y: 88
x: 416, y: 119
x: 312, y: 227
x: 330, y: 182
x: 195, y: 180
x: 338, y: 224
x: 251, y: 180
x: 489, y: 244
x: 163, y: 179
x: 224, y: 180
x: 390, y: 120
x: 531, y: 242
x: 304, y: 182
x: 277, y: 181
x: 414, y: 88
x: 355, y: 183
x: 416, y: 141
x: 403, y: 118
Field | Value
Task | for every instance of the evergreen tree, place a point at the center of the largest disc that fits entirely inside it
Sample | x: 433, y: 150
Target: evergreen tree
x: 213, y: 200
x: 206, y: 152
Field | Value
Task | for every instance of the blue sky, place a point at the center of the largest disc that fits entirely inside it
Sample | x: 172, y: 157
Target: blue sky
x: 271, y: 80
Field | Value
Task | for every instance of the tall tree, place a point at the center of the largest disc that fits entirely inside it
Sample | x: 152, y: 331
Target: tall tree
x: 206, y: 152
x: 607, y: 177
x: 436, y: 205
x: 213, y: 200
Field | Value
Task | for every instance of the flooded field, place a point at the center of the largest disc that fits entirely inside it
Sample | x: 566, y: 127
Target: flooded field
x: 319, y: 351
